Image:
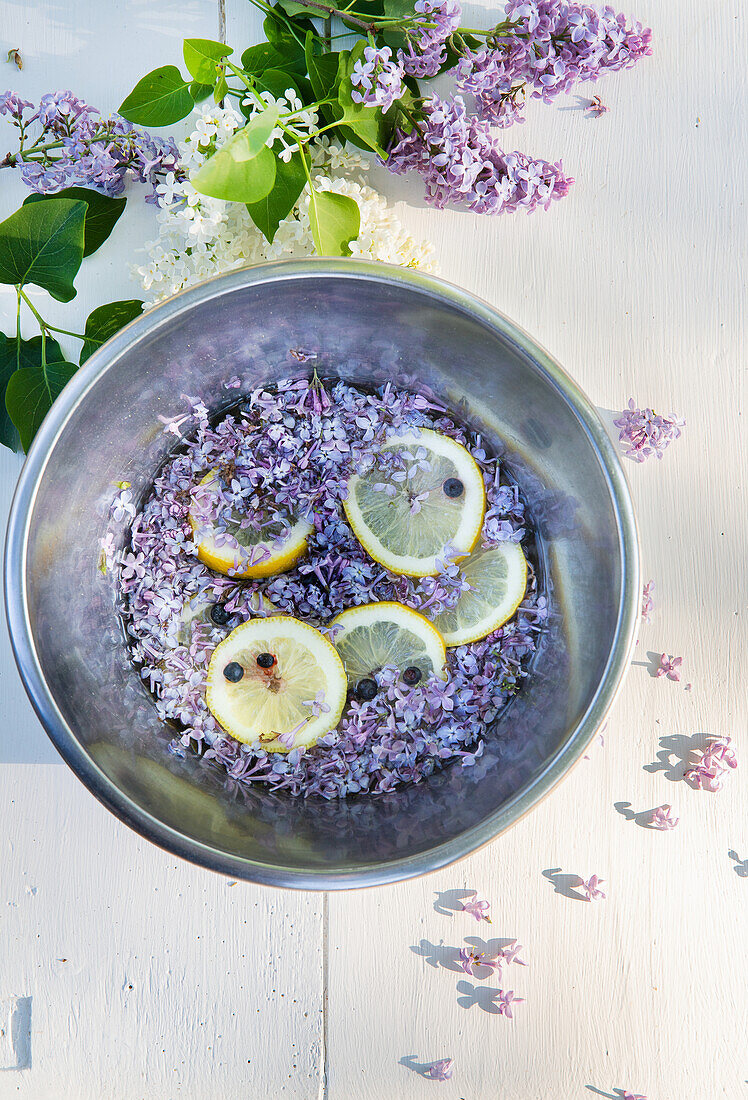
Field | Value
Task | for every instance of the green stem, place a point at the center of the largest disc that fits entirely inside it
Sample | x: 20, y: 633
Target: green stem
x: 45, y: 325
x: 18, y: 327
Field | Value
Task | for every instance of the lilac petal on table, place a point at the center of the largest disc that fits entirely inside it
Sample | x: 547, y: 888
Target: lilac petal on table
x: 441, y: 1070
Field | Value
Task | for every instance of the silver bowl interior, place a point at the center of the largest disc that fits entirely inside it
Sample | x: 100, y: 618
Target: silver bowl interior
x: 366, y: 323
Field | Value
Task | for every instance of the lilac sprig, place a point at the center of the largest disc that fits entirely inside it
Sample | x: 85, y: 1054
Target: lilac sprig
x: 376, y: 80
x: 460, y: 163
x: 544, y: 48
x: 645, y: 433
x: 64, y: 142
x: 425, y: 52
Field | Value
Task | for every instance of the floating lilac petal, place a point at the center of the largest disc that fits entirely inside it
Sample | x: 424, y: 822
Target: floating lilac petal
x: 504, y: 1002
x: 312, y: 436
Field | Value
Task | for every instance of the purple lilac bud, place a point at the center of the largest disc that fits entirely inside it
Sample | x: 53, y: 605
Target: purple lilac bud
x: 376, y: 80
x: 461, y: 163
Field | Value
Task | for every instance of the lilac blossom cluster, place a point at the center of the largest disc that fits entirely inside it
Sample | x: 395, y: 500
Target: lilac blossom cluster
x: 708, y: 774
x: 377, y: 80
x: 75, y: 146
x: 461, y: 163
x: 645, y: 433
x: 543, y: 49
x: 425, y: 50
x: 311, y: 440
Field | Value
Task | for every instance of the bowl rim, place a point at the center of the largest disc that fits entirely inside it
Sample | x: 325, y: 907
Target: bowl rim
x: 168, y: 838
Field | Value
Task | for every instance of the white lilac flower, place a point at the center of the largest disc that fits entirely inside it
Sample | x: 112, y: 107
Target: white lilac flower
x: 201, y: 236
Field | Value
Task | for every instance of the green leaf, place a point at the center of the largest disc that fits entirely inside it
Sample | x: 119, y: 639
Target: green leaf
x: 266, y: 55
x: 335, y: 220
x: 104, y: 321
x: 199, y: 92
x: 43, y: 244
x: 30, y: 393
x: 202, y: 57
x: 15, y: 354
x: 268, y: 213
x: 243, y: 170
x: 101, y: 217
x: 396, y: 9
x: 159, y: 99
x: 221, y: 89
x: 322, y: 68
x: 276, y: 82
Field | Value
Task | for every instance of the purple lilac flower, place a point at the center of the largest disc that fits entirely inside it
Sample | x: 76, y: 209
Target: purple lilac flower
x: 376, y: 80
x: 477, y: 908
x: 632, y: 1095
x: 543, y: 49
x: 504, y: 1002
x: 461, y: 163
x: 590, y: 888
x: 647, y: 601
x: 645, y: 433
x: 669, y: 666
x: 425, y: 51
x: 708, y: 774
x: 12, y: 104
x: 470, y: 957
x: 662, y: 818
x: 510, y: 953
x: 596, y: 108
x: 441, y: 1070
x: 313, y: 436
x: 76, y: 146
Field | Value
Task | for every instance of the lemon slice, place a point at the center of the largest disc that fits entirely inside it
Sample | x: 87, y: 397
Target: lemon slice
x: 406, y: 519
x: 246, y: 552
x: 498, y: 579
x: 387, y: 633
x: 276, y: 681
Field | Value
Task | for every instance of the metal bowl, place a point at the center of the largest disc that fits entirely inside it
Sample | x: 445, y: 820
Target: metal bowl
x: 366, y: 322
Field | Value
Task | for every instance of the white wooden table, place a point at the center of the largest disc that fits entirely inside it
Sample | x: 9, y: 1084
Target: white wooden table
x: 148, y: 978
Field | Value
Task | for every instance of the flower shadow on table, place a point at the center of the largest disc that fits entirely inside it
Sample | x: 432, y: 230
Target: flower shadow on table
x: 564, y: 884
x: 741, y: 865
x: 484, y: 996
x: 651, y: 664
x: 676, y: 755
x: 438, y: 955
x: 450, y: 901
x: 421, y: 1068
x: 616, y: 1094
x: 643, y: 818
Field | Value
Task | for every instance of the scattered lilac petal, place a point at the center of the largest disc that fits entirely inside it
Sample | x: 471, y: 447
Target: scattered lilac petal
x: 590, y: 888
x: 662, y: 818
x: 669, y: 666
x: 441, y: 1070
